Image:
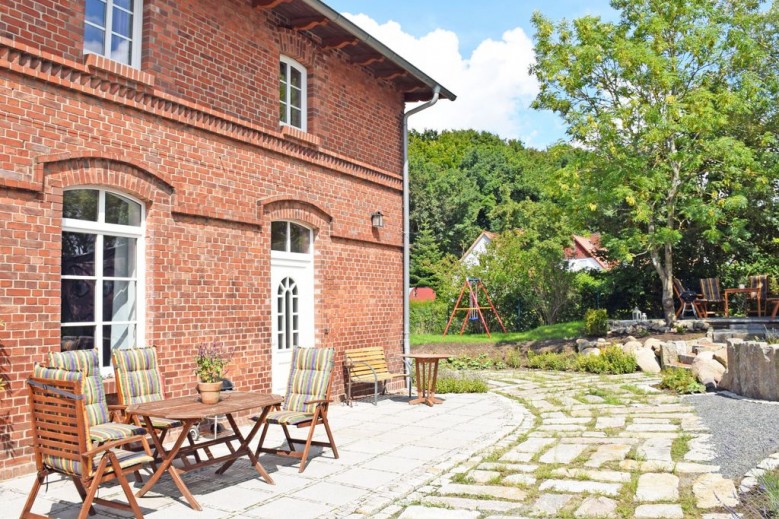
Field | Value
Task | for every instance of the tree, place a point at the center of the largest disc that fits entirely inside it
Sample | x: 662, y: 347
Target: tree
x: 657, y: 98
x: 425, y: 255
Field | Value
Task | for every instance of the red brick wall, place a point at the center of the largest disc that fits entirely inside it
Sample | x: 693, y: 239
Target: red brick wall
x: 211, y: 182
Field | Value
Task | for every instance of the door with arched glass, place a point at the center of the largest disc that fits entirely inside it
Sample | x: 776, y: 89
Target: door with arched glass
x: 292, y: 296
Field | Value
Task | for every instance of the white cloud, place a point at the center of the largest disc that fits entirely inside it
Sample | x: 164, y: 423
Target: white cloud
x: 492, y: 85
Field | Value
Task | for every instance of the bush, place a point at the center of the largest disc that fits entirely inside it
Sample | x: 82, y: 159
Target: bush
x: 452, y: 383
x: 551, y: 361
x: 681, y: 381
x: 428, y: 316
x: 612, y: 360
x: 596, y: 323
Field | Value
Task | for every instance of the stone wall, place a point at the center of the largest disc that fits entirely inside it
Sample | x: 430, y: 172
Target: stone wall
x: 753, y: 369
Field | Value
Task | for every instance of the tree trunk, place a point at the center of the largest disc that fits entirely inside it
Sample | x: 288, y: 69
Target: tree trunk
x: 664, y: 269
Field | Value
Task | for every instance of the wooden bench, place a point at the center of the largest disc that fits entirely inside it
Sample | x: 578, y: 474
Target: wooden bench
x: 366, y: 365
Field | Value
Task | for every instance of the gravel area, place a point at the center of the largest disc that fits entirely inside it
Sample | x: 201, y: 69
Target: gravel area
x: 744, y: 432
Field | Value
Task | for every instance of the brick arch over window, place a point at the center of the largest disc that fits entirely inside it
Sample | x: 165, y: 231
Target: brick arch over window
x: 303, y: 211
x: 108, y: 171
x: 295, y: 46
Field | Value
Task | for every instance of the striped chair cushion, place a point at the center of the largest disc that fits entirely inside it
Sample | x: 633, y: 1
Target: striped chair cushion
x: 137, y: 375
x: 308, y: 378
x: 92, y: 387
x: 87, y: 363
x: 288, y: 417
x: 164, y: 423
x: 114, y: 431
x: 73, y: 468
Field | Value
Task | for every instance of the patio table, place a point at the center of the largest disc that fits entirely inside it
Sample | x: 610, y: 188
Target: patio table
x: 752, y: 290
x: 427, y: 374
x: 189, y: 410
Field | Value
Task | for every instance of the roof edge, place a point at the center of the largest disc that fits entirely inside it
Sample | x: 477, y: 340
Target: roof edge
x: 340, y: 20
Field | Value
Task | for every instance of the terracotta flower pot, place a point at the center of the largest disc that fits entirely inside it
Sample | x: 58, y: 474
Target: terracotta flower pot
x: 210, y: 392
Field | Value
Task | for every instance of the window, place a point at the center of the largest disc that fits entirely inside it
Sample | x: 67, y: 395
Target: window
x: 102, y: 244
x: 290, y: 237
x: 112, y: 28
x: 292, y: 93
x: 287, y: 314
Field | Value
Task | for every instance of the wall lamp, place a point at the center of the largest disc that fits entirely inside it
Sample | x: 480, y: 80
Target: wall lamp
x: 377, y: 219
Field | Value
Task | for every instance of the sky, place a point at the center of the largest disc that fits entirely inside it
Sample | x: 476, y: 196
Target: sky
x: 480, y: 51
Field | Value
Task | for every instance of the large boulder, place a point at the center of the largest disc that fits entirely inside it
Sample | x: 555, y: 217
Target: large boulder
x: 647, y: 361
x: 632, y: 346
x: 708, y: 371
x: 721, y: 356
x: 670, y: 351
x: 753, y: 369
x: 653, y: 343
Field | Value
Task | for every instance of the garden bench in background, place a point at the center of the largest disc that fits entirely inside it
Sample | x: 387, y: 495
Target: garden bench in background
x: 369, y: 365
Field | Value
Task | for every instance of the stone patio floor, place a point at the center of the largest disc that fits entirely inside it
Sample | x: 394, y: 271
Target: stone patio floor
x: 540, y: 444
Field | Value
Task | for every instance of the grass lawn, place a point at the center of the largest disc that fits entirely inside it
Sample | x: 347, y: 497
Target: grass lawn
x: 556, y: 331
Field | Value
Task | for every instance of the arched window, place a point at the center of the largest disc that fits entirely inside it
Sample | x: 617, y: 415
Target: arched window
x: 102, y: 262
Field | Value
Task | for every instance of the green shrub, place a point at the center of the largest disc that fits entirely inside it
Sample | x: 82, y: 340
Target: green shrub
x: 612, y: 360
x: 427, y: 316
x: 453, y: 383
x: 596, y: 323
x: 681, y: 381
x: 483, y: 361
x: 551, y: 361
x: 513, y: 359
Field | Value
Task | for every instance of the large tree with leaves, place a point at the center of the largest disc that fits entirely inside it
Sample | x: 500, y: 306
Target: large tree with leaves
x: 658, y: 97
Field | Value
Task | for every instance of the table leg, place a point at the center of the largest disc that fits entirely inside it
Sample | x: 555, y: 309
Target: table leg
x: 420, y: 384
x: 726, y: 304
x: 167, y: 463
x: 244, y: 446
x: 431, y: 399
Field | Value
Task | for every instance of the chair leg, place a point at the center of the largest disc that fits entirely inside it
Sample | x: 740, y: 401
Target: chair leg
x: 92, y: 491
x: 36, y: 486
x: 351, y: 401
x: 290, y: 442
x: 126, y: 487
x: 304, y: 458
x: 83, y: 493
x: 330, y: 437
x: 375, y: 391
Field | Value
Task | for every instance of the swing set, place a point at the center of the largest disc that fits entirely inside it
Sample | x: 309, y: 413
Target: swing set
x: 473, y: 312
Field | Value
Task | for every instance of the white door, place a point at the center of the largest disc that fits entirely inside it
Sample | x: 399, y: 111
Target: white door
x: 292, y: 307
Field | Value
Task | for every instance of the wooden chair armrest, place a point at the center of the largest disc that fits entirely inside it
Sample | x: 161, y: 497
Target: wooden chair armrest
x: 319, y: 401
x: 118, y: 413
x: 373, y: 371
x: 118, y: 443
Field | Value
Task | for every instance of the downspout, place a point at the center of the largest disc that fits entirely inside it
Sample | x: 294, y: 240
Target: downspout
x: 407, y: 226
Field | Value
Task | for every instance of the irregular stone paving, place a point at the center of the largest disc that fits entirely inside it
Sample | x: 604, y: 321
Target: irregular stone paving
x: 600, y: 446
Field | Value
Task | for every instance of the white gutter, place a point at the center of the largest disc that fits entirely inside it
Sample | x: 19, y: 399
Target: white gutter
x: 407, y: 226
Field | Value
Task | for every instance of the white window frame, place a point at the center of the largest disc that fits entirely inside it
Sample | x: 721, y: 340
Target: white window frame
x: 291, y: 63
x: 135, y: 53
x: 286, y: 253
x: 100, y: 229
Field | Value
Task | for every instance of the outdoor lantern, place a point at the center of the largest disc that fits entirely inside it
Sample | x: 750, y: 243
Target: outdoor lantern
x: 377, y: 219
x: 636, y: 314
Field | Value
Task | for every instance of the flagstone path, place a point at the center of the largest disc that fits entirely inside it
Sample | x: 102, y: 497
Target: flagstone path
x: 600, y: 446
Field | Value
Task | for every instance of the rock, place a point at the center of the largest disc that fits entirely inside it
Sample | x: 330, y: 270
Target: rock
x: 597, y: 507
x: 708, y: 371
x: 721, y: 356
x: 753, y: 370
x: 653, y: 343
x: 669, y: 353
x: 585, y: 345
x: 657, y: 487
x: 714, y: 491
x: 594, y: 352
x: 646, y: 360
x: 632, y: 346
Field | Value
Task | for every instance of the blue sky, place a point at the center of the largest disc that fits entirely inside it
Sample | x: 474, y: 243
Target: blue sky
x: 480, y: 51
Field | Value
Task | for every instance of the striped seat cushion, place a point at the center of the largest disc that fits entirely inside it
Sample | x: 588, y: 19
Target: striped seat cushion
x: 288, y: 417
x: 73, y: 468
x: 164, y: 423
x: 309, y: 377
x: 114, y: 431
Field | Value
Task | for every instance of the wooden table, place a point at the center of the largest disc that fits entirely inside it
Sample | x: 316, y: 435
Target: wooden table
x: 189, y: 410
x: 752, y: 290
x: 427, y: 373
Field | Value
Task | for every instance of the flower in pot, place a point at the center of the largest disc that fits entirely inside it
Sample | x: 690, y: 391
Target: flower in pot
x: 211, y: 361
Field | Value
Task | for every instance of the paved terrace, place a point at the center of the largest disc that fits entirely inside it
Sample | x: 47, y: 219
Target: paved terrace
x: 539, y: 445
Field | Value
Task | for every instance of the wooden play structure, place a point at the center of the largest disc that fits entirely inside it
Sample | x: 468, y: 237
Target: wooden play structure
x: 473, y: 312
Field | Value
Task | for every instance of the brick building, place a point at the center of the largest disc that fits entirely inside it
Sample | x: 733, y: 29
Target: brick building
x: 174, y: 173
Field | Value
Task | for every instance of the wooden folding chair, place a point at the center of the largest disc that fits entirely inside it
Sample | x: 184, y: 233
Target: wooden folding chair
x: 306, y: 403
x: 760, y: 284
x: 688, y: 300
x: 62, y: 444
x: 711, y: 295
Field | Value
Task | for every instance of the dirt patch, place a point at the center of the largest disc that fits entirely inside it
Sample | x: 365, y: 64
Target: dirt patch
x: 499, y: 350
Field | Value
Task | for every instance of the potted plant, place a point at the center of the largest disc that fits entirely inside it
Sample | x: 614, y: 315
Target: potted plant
x: 211, y: 361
